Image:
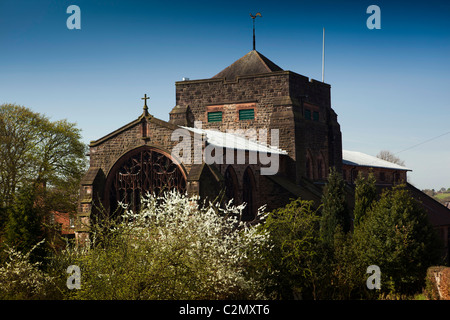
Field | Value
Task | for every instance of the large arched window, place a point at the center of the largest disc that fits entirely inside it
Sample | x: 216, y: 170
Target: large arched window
x: 248, y: 195
x: 139, y: 171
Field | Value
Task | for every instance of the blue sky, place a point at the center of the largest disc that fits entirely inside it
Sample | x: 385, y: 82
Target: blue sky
x: 390, y: 87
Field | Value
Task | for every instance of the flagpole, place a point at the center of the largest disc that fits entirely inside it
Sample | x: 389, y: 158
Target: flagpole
x: 323, y: 55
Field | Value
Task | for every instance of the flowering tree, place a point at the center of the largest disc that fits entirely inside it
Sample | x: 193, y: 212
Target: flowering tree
x: 22, y: 279
x: 175, y: 248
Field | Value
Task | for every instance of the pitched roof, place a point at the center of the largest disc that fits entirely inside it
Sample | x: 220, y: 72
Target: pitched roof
x: 233, y: 140
x: 356, y: 158
x: 252, y: 63
x: 147, y: 117
x: 438, y: 214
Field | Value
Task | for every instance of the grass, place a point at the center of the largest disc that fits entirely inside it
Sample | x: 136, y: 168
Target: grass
x: 420, y: 296
x: 442, y: 197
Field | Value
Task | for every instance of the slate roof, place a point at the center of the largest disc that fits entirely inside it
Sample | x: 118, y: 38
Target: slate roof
x: 356, y: 158
x: 438, y: 214
x: 252, y: 63
x: 235, y: 141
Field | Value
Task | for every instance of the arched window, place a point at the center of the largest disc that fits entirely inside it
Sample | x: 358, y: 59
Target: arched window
x: 139, y: 171
x: 231, y: 185
x: 321, y: 167
x: 248, y: 195
x: 309, y: 168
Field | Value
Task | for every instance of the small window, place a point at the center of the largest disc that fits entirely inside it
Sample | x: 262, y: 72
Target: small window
x: 316, y: 116
x: 246, y: 114
x: 382, y: 176
x: 307, y: 114
x: 215, y: 116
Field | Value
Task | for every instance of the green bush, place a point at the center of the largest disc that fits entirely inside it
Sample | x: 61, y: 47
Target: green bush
x: 294, y: 236
x: 21, y: 279
x: 397, y: 236
x: 172, y: 249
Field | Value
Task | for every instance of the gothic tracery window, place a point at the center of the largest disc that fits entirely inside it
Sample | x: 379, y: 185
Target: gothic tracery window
x: 140, y: 171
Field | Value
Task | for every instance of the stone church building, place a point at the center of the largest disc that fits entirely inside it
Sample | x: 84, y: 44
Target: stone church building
x: 253, y: 95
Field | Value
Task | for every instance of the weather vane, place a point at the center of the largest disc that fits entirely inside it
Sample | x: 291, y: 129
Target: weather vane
x: 253, y: 18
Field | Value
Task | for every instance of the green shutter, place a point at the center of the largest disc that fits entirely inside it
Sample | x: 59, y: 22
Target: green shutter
x: 215, y: 116
x: 307, y: 114
x: 247, y: 114
x: 316, y: 116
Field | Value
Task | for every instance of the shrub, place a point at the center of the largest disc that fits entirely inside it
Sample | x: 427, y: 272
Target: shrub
x: 174, y: 248
x: 21, y: 279
x: 397, y: 236
x: 294, y: 235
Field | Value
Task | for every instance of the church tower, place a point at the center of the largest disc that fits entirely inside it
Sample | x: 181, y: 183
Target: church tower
x: 254, y: 92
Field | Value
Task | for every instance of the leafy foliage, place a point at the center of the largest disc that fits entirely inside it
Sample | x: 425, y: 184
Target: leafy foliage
x: 41, y: 164
x: 365, y: 195
x: 397, y: 236
x: 23, y: 228
x: 293, y: 233
x: 174, y: 249
x: 21, y: 279
x: 335, y: 212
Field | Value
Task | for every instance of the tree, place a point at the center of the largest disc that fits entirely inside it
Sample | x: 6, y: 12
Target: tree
x: 365, y: 195
x: 397, y: 236
x: 19, y: 135
x: 389, y: 156
x: 23, y: 228
x: 43, y: 158
x: 35, y: 150
x: 173, y: 248
x: 334, y: 208
x: 293, y: 232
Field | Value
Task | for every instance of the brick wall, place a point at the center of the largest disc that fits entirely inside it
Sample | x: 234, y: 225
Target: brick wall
x: 383, y: 176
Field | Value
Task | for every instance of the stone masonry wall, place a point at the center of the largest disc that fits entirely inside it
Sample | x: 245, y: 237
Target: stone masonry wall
x: 279, y: 99
x: 104, y: 154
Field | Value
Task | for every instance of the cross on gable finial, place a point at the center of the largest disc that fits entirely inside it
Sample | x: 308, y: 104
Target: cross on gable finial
x: 145, y: 98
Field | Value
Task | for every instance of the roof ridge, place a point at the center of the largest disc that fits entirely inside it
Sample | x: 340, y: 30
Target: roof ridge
x: 267, y: 61
x: 373, y: 162
x: 253, y: 62
x: 260, y: 57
